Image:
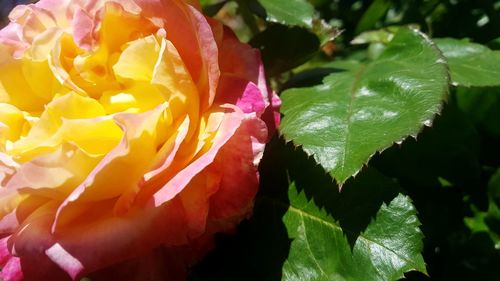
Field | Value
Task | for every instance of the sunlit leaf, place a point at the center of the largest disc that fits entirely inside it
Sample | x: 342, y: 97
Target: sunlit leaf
x: 471, y: 64
x: 289, y: 12
x: 304, y: 229
x: 356, y: 113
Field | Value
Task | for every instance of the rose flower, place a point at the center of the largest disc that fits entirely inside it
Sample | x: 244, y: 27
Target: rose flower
x: 130, y: 133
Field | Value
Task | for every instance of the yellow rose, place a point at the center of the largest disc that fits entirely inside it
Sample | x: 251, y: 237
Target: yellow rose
x: 130, y: 133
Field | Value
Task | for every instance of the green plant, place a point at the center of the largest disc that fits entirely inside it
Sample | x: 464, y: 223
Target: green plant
x: 387, y: 165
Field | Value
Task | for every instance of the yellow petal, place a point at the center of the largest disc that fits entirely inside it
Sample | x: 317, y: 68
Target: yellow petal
x: 137, y: 61
x: 54, y: 175
x: 173, y: 79
x: 14, y: 86
x: 55, y: 126
x: 139, y: 97
x: 13, y: 119
x: 94, y: 136
x: 119, y: 27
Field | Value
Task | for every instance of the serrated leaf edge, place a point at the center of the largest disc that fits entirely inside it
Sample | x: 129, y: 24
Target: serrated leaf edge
x: 329, y: 224
x: 427, y: 123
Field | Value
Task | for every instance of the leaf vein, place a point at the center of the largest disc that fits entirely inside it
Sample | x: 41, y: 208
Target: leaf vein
x: 332, y: 225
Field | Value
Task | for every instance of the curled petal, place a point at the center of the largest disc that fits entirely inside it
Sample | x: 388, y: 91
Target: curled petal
x: 133, y: 155
x: 226, y: 130
x: 239, y: 159
x: 11, y: 266
x: 130, y: 133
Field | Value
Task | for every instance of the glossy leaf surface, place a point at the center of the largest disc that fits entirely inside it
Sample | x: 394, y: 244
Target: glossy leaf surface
x: 289, y: 12
x: 303, y: 228
x: 471, y: 64
x: 388, y: 247
x: 358, y: 112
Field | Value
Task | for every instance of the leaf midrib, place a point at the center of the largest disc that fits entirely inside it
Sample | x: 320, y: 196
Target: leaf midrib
x: 354, y: 86
x: 303, y: 213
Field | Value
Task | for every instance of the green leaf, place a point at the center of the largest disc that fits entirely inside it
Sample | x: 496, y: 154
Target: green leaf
x: 488, y: 221
x: 481, y: 105
x: 304, y: 229
x: 494, y: 190
x: 450, y: 150
x: 471, y: 64
x: 374, y: 13
x: 389, y: 246
x: 356, y: 113
x: 325, y: 31
x: 210, y: 2
x: 376, y: 36
x: 352, y: 235
x: 289, y: 12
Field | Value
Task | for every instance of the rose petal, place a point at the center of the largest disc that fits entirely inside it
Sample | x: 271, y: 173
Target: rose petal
x: 133, y: 154
x: 100, y: 239
x: 83, y: 26
x: 191, y: 34
x: 162, y: 161
x: 227, y: 128
x: 172, y: 78
x: 195, y: 199
x: 14, y: 87
x: 10, y: 265
x: 101, y: 192
x: 53, y: 175
x: 138, y: 60
x: 246, y: 95
x: 239, y: 183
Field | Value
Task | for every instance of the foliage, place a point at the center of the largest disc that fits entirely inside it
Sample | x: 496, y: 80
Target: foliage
x: 387, y: 165
x: 387, y: 162
x: 360, y: 111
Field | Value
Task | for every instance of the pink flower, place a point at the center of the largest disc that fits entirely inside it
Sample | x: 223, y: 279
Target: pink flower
x: 130, y: 133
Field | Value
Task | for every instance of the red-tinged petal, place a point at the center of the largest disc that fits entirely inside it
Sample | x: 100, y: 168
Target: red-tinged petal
x: 83, y: 26
x: 11, y: 43
x: 249, y: 68
x: 209, y: 53
x: 53, y: 175
x: 191, y: 34
x: 29, y: 243
x: 239, y: 159
x: 9, y: 200
x: 195, y: 199
x: 25, y: 206
x: 9, y: 223
x: 246, y: 95
x: 4, y: 251
x: 228, y: 127
x: 248, y: 58
x: 272, y: 115
x: 162, y: 161
x: 12, y: 270
x: 250, y: 65
x: 100, y: 239
x: 10, y: 265
x: 133, y: 154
